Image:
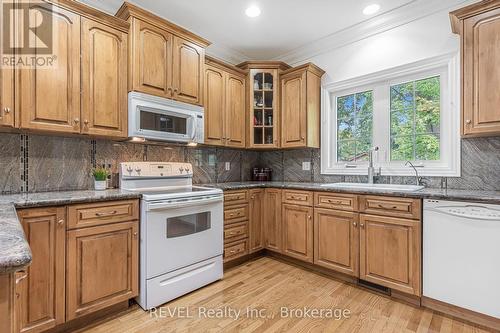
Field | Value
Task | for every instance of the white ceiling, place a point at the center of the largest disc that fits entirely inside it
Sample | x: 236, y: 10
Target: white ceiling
x: 283, y: 26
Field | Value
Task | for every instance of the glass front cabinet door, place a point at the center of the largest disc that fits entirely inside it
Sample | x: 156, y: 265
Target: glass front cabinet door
x: 264, y: 108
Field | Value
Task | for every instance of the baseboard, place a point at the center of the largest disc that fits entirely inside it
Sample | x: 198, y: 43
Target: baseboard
x: 318, y: 269
x: 485, y: 321
x: 93, y: 319
x: 244, y: 259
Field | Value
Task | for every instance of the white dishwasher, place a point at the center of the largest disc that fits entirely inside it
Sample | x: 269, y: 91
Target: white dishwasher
x: 461, y: 255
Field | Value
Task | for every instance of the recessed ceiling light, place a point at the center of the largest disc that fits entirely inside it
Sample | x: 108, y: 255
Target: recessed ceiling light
x: 252, y: 11
x: 371, y: 9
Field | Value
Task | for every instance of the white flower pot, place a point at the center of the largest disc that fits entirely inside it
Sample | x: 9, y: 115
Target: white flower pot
x: 99, y: 185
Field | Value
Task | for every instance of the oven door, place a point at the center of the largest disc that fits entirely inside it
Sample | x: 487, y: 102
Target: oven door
x: 162, y: 124
x: 180, y: 233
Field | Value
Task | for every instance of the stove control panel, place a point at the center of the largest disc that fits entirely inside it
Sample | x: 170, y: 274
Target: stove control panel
x: 155, y: 169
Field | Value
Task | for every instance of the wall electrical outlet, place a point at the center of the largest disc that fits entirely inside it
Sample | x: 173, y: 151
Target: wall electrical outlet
x: 227, y: 166
x: 306, y: 166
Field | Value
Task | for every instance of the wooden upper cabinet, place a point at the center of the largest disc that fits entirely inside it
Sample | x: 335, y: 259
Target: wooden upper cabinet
x: 336, y: 240
x: 104, y: 80
x: 255, y: 221
x: 214, y: 106
x: 272, y: 220
x: 390, y: 252
x: 235, y: 111
x: 102, y: 267
x: 165, y: 59
x: 187, y: 79
x: 224, y: 104
x: 479, y: 27
x: 151, y: 59
x: 40, y: 290
x: 7, y: 106
x: 298, y: 232
x: 293, y: 110
x: 50, y: 98
x: 301, y: 106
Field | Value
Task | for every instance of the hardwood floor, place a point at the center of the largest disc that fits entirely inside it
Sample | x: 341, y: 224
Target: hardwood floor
x: 268, y: 284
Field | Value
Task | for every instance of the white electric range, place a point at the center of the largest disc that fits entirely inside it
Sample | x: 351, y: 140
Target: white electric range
x: 181, y: 230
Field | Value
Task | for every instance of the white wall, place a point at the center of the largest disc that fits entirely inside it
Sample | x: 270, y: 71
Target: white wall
x: 424, y: 38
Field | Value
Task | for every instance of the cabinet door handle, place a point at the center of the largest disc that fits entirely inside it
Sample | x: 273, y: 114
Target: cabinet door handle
x: 24, y: 276
x: 468, y: 121
x: 135, y: 235
x: 362, y: 225
x: 86, y: 122
x: 309, y: 217
x: 6, y: 110
x: 76, y: 121
x: 106, y: 214
x: 60, y: 222
x: 354, y: 224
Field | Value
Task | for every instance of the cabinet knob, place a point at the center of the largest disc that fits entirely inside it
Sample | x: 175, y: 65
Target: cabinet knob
x: 76, y: 120
x: 355, y: 224
x: 135, y: 235
x: 302, y: 138
x: 60, y: 222
x: 6, y: 110
x: 169, y: 89
x: 362, y: 225
x: 86, y: 122
x: 309, y: 217
x: 468, y: 121
x: 176, y: 90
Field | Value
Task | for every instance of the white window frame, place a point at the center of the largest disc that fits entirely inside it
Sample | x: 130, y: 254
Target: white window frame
x: 447, y: 67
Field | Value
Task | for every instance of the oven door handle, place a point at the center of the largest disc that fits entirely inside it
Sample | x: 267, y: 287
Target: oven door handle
x: 180, y: 204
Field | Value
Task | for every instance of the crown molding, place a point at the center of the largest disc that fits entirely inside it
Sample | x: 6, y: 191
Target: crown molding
x: 397, y: 17
x: 109, y: 6
x: 226, y: 54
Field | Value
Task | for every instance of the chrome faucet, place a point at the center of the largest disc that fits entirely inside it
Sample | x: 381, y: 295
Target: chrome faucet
x: 372, y: 172
x: 417, y: 178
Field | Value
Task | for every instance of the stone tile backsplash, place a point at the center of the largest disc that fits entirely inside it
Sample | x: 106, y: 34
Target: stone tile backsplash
x: 35, y: 163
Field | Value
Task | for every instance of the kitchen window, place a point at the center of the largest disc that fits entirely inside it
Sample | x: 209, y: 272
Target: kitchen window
x: 410, y: 113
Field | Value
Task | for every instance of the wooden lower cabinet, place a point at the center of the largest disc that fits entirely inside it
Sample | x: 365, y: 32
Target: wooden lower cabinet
x: 336, y: 240
x: 298, y: 232
x: 390, y: 252
x: 40, y: 289
x: 255, y: 223
x: 272, y: 220
x: 102, y: 267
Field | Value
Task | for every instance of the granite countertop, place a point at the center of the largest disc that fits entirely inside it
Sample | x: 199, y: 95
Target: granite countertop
x: 492, y: 197
x: 15, y: 253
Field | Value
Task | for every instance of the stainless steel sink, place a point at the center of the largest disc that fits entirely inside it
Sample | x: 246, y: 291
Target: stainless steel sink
x: 380, y: 187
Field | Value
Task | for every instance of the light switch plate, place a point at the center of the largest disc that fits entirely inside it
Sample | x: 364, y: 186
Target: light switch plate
x: 227, y: 166
x: 306, y: 166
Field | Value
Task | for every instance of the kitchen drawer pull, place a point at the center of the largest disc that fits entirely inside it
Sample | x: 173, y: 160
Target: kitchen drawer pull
x: 231, y: 233
x: 106, y: 214
x: 387, y: 207
x: 335, y: 202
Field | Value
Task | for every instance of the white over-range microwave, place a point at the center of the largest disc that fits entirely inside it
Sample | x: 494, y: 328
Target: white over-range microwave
x: 160, y: 119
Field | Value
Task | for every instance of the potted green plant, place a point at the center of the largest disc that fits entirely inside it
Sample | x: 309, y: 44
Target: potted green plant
x: 100, y: 175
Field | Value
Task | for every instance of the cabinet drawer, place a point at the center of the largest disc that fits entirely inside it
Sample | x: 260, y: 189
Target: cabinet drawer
x: 235, y: 232
x: 235, y: 214
x: 391, y: 206
x: 235, y: 197
x: 235, y: 250
x: 347, y: 202
x: 88, y: 215
x: 303, y: 198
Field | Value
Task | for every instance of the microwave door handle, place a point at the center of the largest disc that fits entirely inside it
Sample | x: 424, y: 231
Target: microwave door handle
x: 180, y: 204
x: 193, y: 131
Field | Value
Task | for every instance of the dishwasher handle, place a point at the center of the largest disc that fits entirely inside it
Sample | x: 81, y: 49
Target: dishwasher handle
x: 452, y: 211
